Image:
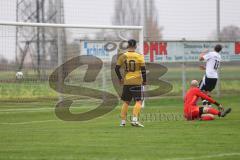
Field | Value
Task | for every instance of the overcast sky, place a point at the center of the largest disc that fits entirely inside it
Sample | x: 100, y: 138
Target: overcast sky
x: 190, y: 19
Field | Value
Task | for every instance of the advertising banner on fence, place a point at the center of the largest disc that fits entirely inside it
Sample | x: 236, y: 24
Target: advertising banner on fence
x: 158, y: 52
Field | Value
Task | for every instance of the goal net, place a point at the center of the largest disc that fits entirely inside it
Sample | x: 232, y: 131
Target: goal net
x: 47, y: 61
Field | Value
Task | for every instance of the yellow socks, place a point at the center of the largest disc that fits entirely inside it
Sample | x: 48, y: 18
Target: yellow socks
x: 124, y: 111
x: 136, y: 110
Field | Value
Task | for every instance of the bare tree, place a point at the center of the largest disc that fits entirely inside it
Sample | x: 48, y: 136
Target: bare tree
x: 230, y: 33
x: 128, y: 12
x: 152, y: 30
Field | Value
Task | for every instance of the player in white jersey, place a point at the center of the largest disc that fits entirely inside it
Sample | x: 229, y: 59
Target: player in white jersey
x: 210, y: 78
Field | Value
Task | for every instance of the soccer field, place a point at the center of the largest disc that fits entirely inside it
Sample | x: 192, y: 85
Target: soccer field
x: 65, y: 65
x: 32, y: 131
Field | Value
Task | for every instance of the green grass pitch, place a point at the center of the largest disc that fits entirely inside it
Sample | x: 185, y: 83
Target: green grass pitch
x: 32, y: 131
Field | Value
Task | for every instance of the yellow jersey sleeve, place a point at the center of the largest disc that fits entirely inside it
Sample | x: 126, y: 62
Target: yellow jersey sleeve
x: 120, y: 60
x: 141, y: 61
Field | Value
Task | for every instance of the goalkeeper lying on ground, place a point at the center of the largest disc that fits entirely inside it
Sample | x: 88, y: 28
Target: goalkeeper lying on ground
x: 192, y: 111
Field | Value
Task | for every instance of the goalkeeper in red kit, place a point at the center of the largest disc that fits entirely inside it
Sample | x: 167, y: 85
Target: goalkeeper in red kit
x: 193, y: 112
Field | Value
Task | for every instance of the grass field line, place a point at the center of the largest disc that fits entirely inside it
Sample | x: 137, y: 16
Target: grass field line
x: 36, y: 109
x: 206, y: 157
x: 30, y: 122
x: 25, y: 109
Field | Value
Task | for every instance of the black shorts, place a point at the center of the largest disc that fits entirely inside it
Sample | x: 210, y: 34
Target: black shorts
x: 132, y: 92
x: 207, y: 84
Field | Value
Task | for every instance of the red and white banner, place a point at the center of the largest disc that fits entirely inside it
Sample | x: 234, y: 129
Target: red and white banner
x: 165, y: 51
x: 187, y: 51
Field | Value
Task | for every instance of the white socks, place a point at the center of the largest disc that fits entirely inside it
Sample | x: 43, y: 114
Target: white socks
x: 123, y: 122
x: 134, y: 119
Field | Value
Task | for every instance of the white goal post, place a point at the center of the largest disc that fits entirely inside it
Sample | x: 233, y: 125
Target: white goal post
x: 78, y: 26
x: 52, y: 25
x: 26, y: 49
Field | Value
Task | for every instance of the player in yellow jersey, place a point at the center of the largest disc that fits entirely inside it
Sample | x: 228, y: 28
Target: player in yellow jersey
x: 134, y: 78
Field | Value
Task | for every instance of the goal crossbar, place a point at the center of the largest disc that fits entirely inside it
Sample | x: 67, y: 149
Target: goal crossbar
x: 55, y: 25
